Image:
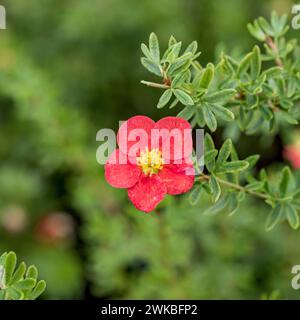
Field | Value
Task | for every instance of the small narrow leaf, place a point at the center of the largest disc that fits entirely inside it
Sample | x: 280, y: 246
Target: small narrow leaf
x: 255, y: 63
x: 244, y: 64
x: 287, y: 182
x: 208, y: 143
x: 187, y: 113
x: 146, y: 51
x: 174, y: 103
x: 164, y: 99
x: 179, y: 63
x: 183, y: 97
x: 10, y: 264
x: 192, y: 47
x: 224, y: 152
x: 210, y: 156
x: 215, y: 188
x: 172, y: 41
x: 233, y: 204
x: 273, y: 217
x: 154, y: 47
x: 234, y: 166
x: 292, y: 216
x: 218, y: 206
x: 207, y: 76
x: 19, y: 274
x: 32, y: 272
x: 151, y: 66
x: 222, y: 113
x: 209, y: 118
x: 252, y: 160
x: 195, y: 195
x: 38, y: 290
x: 220, y: 96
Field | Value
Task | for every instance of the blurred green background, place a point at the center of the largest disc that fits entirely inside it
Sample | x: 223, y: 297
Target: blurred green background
x: 71, y: 67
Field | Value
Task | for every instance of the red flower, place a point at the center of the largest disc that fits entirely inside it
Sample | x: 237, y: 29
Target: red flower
x: 292, y: 153
x: 153, y: 160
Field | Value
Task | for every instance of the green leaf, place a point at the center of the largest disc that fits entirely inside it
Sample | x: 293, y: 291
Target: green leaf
x: 254, y: 186
x: 274, y: 217
x: 179, y: 63
x: 179, y: 79
x: 256, y: 31
x: 272, y: 72
x: 183, y: 97
x: 38, y: 290
x: 15, y: 294
x: 32, y: 272
x: 151, y: 66
x: 234, y: 155
x: 192, y: 47
x: 187, y: 113
x: 220, y: 96
x: 267, y: 113
x: 292, y: 216
x: 244, y: 64
x: 207, y: 76
x: 233, y: 166
x: 215, y: 188
x: 265, y: 26
x: 218, y: 206
x: 164, y: 99
x: 174, y: 103
x: 195, y: 195
x: 175, y: 50
x: 209, y: 118
x: 224, y: 152
x: 154, y: 47
x: 172, y: 41
x: 26, y: 284
x: 233, y: 204
x: 222, y: 113
x: 10, y: 264
x: 210, y: 156
x: 252, y: 160
x: 19, y: 274
x: 287, y: 182
x: 208, y: 143
x: 255, y: 63
x: 146, y: 51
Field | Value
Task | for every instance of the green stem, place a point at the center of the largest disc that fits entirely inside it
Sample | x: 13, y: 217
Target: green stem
x: 236, y: 187
x: 272, y: 45
x: 155, y: 85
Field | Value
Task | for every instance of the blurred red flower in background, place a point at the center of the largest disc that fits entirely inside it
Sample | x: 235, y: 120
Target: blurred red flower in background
x: 160, y: 165
x: 56, y: 227
x: 292, y: 153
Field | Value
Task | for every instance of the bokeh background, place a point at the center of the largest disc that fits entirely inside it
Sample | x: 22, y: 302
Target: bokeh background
x: 71, y: 67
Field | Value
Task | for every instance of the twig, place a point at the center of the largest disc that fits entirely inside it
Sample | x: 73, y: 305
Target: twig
x: 155, y: 85
x: 272, y: 45
x: 236, y: 187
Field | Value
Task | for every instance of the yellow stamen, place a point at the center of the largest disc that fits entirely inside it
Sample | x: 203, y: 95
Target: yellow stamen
x: 150, y: 162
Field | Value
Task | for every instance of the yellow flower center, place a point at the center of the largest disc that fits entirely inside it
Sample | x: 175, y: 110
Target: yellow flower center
x: 150, y: 162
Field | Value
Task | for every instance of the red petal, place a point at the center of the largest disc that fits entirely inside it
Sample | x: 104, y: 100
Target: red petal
x: 119, y: 173
x: 134, y: 135
x: 178, y: 178
x: 147, y: 193
x: 173, y: 136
